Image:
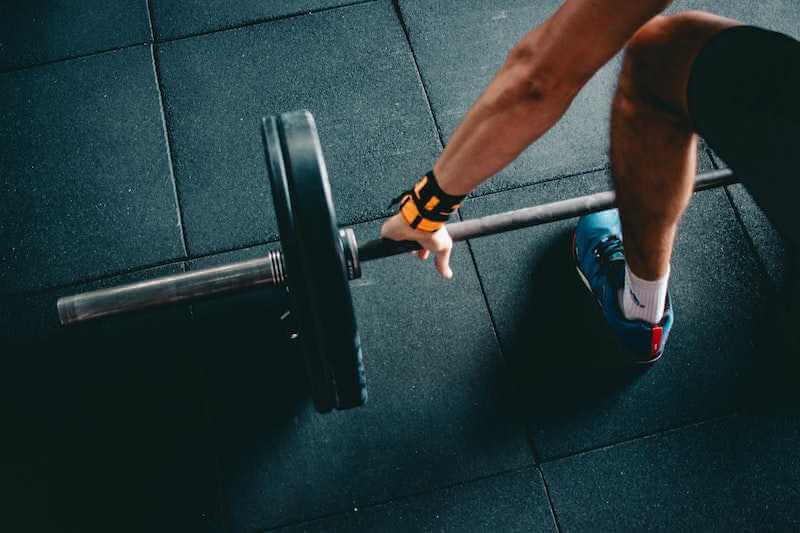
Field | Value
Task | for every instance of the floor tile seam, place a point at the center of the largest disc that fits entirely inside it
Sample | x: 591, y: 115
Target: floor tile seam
x: 166, y: 130
x: 751, y: 243
x: 602, y: 168
x: 437, y: 126
x: 139, y: 269
x: 177, y: 195
x: 92, y: 279
x: 274, y: 240
x: 360, y: 221
x: 222, y: 251
x: 357, y: 221
x: 732, y: 413
x: 553, y: 513
x: 238, y: 248
x: 537, y: 457
x: 257, y: 21
x: 715, y: 162
x: 504, y: 362
x: 426, y: 92
x: 153, y: 41
x: 150, y: 21
x: 420, y: 78
x: 74, y: 57
x: 220, y: 505
x: 400, y: 499
x: 577, y: 174
x: 492, y: 321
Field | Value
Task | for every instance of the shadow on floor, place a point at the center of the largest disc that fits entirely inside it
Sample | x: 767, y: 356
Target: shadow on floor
x: 563, y: 357
x: 117, y: 425
x: 773, y: 382
x: 257, y: 377
x: 108, y: 431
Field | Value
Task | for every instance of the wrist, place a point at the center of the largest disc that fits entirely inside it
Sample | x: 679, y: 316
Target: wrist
x: 448, y: 182
x: 426, y: 206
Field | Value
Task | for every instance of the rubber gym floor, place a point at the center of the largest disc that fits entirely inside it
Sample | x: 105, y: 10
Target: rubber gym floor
x: 130, y: 148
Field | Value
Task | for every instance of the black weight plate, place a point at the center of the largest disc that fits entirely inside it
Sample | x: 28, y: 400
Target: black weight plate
x: 320, y: 377
x: 319, y: 248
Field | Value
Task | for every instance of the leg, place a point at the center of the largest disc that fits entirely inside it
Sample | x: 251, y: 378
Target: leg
x: 653, y: 146
x: 653, y: 151
x: 735, y: 85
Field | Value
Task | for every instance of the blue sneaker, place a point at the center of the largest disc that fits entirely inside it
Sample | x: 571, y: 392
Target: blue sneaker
x: 600, y: 260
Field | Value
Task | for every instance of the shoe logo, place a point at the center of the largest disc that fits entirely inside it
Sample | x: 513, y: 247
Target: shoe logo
x: 635, y: 299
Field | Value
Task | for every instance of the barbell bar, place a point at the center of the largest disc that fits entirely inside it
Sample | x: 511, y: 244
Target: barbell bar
x: 527, y: 217
x: 317, y: 260
x: 270, y: 270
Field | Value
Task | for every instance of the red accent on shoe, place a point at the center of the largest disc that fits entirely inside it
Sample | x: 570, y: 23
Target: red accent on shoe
x: 655, y: 340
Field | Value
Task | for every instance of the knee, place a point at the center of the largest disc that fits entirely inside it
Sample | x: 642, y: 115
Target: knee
x: 659, y: 56
x: 648, y: 44
x: 648, y: 52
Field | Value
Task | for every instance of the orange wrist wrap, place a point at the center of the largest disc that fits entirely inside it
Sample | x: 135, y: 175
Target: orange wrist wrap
x: 426, y: 207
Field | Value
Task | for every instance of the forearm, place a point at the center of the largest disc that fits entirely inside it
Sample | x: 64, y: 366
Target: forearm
x: 536, y: 85
x: 510, y: 115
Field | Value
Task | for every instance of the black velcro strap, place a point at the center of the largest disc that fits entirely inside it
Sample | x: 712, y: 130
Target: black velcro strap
x: 433, y: 203
x: 430, y: 204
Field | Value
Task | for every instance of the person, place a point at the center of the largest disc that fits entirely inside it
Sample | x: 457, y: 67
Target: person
x: 682, y: 75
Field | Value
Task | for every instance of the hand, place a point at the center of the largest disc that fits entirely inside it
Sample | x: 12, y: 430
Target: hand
x: 438, y: 242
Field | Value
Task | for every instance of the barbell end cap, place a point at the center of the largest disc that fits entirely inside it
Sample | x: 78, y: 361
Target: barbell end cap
x: 67, y: 314
x: 352, y: 260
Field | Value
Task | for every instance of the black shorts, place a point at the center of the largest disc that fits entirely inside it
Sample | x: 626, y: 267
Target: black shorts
x: 744, y: 99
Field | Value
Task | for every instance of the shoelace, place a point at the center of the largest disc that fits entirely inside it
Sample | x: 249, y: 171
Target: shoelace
x: 607, y: 249
x: 610, y: 255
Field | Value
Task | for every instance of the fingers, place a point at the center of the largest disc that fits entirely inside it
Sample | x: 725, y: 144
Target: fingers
x: 443, y: 262
x: 438, y: 243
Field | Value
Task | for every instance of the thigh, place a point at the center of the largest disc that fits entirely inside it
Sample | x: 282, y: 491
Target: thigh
x: 742, y: 97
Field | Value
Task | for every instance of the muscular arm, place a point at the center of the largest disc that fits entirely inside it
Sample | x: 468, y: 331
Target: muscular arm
x: 540, y: 77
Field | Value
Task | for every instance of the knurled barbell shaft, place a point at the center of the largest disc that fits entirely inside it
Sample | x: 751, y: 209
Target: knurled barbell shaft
x: 263, y: 271
x: 270, y: 270
x: 527, y: 217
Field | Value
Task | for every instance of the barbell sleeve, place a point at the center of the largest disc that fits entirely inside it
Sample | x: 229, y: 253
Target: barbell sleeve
x: 215, y: 281
x: 527, y: 217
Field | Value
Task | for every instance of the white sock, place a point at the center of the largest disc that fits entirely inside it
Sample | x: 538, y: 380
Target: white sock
x: 642, y: 299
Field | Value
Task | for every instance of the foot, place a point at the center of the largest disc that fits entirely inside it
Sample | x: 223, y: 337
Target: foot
x: 600, y: 260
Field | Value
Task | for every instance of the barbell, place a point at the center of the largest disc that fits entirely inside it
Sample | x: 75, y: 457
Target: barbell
x: 317, y: 260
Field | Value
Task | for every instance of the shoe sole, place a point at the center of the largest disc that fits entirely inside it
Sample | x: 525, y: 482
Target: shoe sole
x: 585, y: 281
